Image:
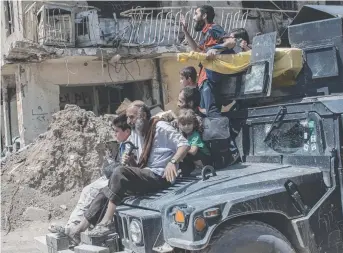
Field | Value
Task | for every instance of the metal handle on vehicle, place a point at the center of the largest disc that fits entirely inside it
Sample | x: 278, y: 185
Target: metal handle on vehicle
x: 207, y: 169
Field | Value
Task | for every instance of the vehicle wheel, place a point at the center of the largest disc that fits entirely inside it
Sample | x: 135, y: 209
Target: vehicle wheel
x: 249, y: 237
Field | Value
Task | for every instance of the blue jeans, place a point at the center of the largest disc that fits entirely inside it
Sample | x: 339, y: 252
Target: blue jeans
x: 208, y: 99
x: 211, y: 102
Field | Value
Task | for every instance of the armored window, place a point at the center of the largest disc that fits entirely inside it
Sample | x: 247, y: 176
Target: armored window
x: 298, y: 137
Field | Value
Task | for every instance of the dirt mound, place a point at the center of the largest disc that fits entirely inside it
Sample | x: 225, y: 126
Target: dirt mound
x: 66, y: 157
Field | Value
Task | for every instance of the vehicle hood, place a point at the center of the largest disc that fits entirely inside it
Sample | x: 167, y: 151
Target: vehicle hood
x: 241, y: 180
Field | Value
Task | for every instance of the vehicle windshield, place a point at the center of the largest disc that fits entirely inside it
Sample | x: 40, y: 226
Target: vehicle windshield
x: 288, y: 137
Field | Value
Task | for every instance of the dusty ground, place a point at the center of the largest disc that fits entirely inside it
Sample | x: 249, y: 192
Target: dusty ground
x: 21, y: 239
x: 16, y: 198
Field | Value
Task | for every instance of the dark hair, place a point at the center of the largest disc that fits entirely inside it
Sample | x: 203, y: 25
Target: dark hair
x: 144, y: 108
x: 121, y: 122
x: 189, y: 72
x: 191, y: 94
x: 240, y: 33
x: 209, y: 11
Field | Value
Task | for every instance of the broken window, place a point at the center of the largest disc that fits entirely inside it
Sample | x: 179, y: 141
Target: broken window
x: 299, y: 137
x: 9, y: 17
x: 56, y: 26
x: 105, y: 99
x: 82, y: 26
x: 30, y: 22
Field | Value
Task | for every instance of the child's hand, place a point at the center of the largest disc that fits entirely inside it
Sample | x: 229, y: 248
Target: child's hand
x: 174, y: 124
x: 128, y: 159
x: 211, y: 54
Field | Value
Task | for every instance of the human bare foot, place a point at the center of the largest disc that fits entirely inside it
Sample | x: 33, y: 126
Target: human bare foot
x: 74, y: 235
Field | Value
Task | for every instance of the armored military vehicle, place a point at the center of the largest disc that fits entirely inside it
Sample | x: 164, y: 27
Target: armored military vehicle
x: 286, y: 194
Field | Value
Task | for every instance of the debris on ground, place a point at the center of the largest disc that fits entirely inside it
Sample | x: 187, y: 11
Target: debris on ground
x: 68, y: 156
x: 60, y: 162
x: 64, y: 207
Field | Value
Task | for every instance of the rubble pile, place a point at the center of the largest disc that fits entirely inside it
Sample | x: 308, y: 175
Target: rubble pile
x: 66, y: 157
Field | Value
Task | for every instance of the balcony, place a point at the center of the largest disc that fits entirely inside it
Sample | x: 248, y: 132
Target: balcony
x: 161, y: 26
x: 50, y: 25
x: 58, y: 30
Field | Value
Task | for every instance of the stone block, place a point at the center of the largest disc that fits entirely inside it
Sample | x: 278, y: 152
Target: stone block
x: 40, y: 243
x: 51, y: 250
x: 101, y: 240
x: 55, y: 242
x: 90, y: 249
x: 113, y: 242
x: 89, y: 240
x: 65, y: 251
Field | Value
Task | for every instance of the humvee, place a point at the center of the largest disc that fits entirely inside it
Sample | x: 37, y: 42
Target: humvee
x: 286, y: 194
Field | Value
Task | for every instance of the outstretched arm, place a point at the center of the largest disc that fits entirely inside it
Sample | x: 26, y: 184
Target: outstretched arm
x: 194, y: 46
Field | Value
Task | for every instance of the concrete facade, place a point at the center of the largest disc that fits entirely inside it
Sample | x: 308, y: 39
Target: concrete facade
x: 36, y: 102
x: 38, y: 88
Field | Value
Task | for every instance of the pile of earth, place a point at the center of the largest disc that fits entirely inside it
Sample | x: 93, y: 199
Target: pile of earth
x: 68, y: 156
x: 52, y: 170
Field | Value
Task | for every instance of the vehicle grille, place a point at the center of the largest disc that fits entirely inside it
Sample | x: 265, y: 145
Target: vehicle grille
x: 122, y: 222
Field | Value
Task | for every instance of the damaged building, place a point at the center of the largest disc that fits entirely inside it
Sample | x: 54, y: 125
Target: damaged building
x: 97, y: 53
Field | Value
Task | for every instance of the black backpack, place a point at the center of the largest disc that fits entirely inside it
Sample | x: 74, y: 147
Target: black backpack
x: 216, y: 135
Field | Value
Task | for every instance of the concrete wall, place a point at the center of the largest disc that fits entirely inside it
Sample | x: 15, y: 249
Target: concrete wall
x: 36, y: 102
x: 67, y: 72
x: 170, y: 69
x: 14, y: 117
x: 38, y: 91
x: 2, y: 143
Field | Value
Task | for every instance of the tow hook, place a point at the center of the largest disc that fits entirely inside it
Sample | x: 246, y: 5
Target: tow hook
x: 206, y: 170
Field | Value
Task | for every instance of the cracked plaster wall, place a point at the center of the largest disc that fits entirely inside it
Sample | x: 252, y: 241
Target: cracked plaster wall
x: 65, y: 72
x: 170, y: 69
x: 36, y: 102
x: 38, y: 88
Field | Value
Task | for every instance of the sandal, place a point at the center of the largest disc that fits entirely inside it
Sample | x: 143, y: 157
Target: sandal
x: 57, y: 229
x: 100, y: 230
x: 62, y: 231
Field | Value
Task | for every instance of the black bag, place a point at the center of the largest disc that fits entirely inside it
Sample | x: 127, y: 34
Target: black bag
x: 216, y: 136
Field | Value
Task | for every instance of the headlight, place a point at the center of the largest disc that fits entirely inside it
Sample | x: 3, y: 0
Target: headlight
x: 136, y: 232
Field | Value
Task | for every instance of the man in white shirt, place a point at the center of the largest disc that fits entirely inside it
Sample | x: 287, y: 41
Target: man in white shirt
x: 160, y: 149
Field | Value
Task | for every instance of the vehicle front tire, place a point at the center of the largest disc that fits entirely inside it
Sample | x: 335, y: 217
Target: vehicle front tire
x: 248, y: 237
